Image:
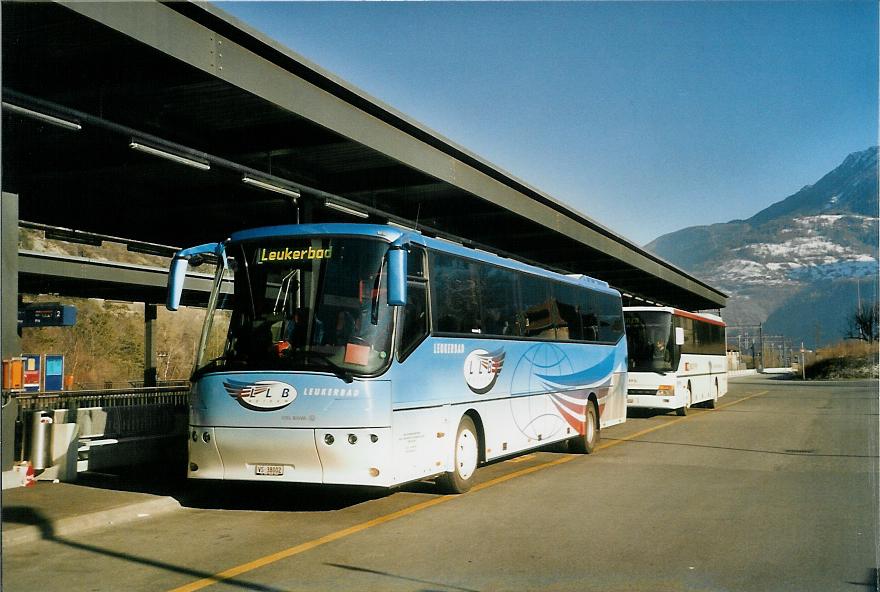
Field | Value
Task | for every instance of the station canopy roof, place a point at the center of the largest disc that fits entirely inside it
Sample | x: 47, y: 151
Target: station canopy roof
x: 174, y: 123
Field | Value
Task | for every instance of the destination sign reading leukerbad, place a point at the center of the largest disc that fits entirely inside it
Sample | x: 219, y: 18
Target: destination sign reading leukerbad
x: 286, y: 254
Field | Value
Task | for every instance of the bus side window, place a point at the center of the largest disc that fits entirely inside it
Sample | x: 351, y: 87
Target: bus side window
x: 591, y: 327
x: 498, y: 300
x: 589, y: 311
x: 690, y: 344
x: 536, y: 318
x: 569, y: 323
x: 454, y: 294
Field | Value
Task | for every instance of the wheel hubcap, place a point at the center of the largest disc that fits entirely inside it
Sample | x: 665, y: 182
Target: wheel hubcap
x: 466, y: 454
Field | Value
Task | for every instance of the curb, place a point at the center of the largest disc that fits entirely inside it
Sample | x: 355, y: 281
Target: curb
x: 77, y: 524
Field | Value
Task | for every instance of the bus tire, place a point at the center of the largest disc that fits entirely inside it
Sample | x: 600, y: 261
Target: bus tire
x: 683, y: 411
x: 586, y: 444
x: 466, y: 459
x: 712, y: 403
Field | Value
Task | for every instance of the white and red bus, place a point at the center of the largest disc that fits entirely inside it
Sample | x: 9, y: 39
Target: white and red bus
x: 677, y: 359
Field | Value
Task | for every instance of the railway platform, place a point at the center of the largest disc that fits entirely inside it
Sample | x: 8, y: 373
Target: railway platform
x: 47, y: 509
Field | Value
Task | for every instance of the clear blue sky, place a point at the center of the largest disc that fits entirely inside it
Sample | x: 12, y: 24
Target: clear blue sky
x: 647, y: 117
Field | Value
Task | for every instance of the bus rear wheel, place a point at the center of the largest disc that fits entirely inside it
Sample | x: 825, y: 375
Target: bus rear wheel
x: 467, y: 456
x: 586, y: 443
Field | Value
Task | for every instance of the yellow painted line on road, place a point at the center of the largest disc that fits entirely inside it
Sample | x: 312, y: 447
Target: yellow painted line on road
x: 522, y: 458
x: 340, y: 534
x: 301, y: 548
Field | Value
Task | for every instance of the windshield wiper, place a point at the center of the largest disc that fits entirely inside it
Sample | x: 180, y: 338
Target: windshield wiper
x: 335, y: 368
x: 212, y: 365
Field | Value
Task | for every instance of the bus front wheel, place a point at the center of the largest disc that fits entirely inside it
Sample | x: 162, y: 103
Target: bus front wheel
x: 467, y: 456
x: 683, y: 411
x: 586, y: 443
x: 712, y: 403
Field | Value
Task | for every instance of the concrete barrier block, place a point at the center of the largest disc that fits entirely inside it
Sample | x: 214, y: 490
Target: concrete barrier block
x: 64, y: 443
x: 92, y: 422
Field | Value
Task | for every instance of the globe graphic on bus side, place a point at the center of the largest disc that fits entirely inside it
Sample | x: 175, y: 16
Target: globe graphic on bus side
x: 536, y: 416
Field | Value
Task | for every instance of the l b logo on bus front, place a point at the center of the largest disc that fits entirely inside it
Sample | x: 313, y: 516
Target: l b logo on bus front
x: 263, y: 395
x: 481, y: 369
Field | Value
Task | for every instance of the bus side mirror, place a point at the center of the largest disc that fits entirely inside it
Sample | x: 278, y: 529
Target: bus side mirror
x: 177, y: 272
x: 176, y: 277
x: 397, y: 276
x: 679, y: 336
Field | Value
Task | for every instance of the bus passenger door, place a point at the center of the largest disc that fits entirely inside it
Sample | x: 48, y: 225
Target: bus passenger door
x: 413, y: 318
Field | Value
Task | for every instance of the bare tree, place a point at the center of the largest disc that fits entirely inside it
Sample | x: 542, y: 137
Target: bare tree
x: 863, y: 323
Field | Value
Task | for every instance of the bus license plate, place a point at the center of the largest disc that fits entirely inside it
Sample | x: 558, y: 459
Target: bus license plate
x: 270, y: 470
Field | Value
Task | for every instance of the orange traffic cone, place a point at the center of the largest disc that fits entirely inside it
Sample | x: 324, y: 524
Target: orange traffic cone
x: 29, y: 478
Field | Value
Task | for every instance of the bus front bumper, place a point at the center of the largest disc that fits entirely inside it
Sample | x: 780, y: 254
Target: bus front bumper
x: 653, y: 401
x: 293, y: 455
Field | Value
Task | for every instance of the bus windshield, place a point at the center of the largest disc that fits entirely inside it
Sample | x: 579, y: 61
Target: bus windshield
x: 306, y: 304
x: 650, y: 341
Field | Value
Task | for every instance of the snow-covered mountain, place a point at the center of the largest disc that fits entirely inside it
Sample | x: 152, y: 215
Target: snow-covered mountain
x: 810, y: 248
x: 799, y: 265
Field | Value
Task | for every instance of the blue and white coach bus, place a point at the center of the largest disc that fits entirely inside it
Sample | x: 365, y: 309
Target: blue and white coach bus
x: 370, y: 355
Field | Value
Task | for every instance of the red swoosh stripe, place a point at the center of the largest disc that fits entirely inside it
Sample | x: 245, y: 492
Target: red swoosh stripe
x: 577, y: 425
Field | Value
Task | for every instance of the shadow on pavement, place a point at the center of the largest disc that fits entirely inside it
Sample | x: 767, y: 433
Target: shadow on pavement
x: 276, y: 497
x: 31, y: 517
x: 759, y: 378
x: 28, y: 516
x: 167, y: 479
x: 170, y: 480
x: 872, y: 580
x: 398, y: 577
x: 786, y: 452
x: 645, y: 413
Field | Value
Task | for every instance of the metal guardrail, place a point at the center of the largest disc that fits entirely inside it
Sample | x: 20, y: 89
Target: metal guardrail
x: 109, y: 385
x: 114, y: 413
x: 130, y: 397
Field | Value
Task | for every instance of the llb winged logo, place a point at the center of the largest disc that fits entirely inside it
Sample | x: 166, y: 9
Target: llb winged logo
x: 243, y: 389
x: 263, y: 395
x: 481, y: 369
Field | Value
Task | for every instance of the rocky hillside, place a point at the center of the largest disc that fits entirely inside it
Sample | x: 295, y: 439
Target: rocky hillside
x: 800, y: 264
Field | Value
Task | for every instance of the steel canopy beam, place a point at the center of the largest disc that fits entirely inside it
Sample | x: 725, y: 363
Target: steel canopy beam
x: 78, y: 276
x: 267, y: 70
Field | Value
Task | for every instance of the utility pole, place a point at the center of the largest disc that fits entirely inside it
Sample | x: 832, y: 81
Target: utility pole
x: 760, y: 365
x: 803, y: 362
x: 859, y: 294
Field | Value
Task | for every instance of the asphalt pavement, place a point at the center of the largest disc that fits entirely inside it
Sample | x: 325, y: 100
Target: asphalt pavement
x: 47, y: 509
x: 775, y: 490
